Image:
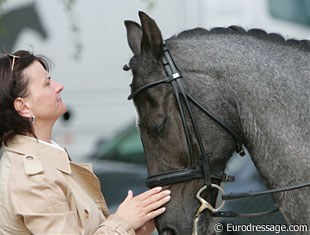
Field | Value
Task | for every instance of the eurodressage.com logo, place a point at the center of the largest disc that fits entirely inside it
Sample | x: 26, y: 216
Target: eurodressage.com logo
x: 276, y: 228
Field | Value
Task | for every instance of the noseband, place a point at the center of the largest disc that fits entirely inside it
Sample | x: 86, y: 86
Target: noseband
x: 183, y: 98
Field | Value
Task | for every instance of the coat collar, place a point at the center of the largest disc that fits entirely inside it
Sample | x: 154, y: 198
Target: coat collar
x: 47, y: 153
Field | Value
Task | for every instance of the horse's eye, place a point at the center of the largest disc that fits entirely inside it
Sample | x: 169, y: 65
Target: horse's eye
x: 160, y: 128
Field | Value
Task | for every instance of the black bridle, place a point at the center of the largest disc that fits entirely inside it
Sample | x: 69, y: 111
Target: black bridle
x: 183, y: 98
x: 175, y: 78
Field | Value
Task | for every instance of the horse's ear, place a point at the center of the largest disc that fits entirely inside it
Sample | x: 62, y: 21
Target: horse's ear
x: 134, y: 36
x: 152, y: 41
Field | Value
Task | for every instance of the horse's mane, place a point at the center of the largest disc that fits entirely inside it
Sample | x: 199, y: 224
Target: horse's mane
x: 257, y: 33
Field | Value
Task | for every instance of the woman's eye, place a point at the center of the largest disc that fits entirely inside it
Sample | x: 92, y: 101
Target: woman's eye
x: 48, y: 81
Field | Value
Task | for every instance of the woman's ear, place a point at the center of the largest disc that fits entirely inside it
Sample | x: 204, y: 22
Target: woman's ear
x: 22, y: 107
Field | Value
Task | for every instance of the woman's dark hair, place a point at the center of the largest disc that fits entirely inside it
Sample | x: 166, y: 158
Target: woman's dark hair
x: 14, y: 84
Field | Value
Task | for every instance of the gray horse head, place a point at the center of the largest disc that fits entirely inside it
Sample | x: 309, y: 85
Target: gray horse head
x: 162, y: 133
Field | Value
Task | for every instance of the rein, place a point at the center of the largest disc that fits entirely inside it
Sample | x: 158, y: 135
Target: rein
x: 183, y: 98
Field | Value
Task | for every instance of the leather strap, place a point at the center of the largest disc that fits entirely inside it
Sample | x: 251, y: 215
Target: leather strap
x: 183, y: 175
x: 233, y: 196
x: 232, y: 214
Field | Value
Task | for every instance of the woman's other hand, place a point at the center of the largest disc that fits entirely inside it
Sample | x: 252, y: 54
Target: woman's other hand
x: 140, y: 209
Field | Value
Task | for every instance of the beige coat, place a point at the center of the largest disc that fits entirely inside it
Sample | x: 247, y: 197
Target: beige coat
x: 43, y: 192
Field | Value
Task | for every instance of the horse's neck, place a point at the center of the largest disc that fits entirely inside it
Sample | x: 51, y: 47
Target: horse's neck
x: 278, y: 146
x: 271, y: 92
x: 270, y: 96
x: 273, y: 96
x: 277, y: 134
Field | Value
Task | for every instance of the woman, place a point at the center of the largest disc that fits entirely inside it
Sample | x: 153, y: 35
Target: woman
x: 42, y: 191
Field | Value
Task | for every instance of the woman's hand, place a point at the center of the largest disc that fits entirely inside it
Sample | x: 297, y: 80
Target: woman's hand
x: 142, y: 208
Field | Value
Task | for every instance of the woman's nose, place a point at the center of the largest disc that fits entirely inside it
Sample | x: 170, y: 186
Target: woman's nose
x: 58, y: 87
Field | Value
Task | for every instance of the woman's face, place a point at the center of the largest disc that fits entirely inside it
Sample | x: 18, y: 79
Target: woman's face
x: 44, y: 99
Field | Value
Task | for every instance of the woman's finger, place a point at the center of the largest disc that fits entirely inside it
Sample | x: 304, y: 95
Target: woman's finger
x: 129, y: 195
x: 149, y: 193
x: 156, y: 204
x: 155, y: 213
x: 156, y: 197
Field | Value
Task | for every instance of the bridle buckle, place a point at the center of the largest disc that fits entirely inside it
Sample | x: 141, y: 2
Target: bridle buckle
x: 176, y: 75
x: 206, y: 205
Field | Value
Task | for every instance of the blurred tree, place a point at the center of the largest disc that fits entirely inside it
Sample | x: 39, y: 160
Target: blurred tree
x: 74, y: 27
x: 150, y: 4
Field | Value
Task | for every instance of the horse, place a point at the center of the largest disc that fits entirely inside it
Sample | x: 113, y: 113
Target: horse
x: 254, y: 88
x: 14, y: 21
